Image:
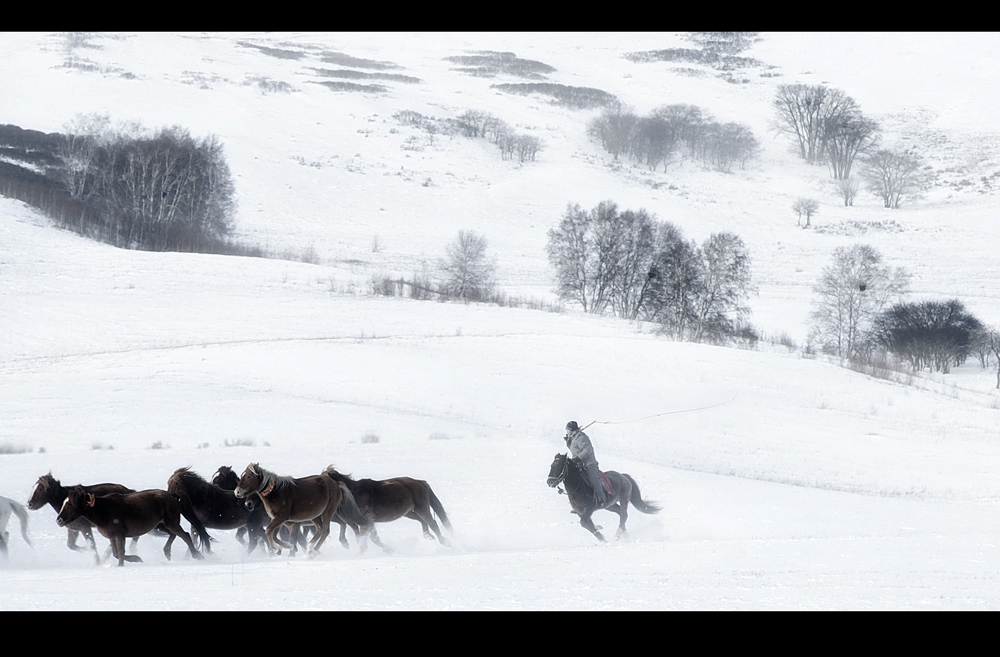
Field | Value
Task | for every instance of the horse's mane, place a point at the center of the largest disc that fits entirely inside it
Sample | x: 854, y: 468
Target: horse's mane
x: 189, y: 474
x: 280, y: 482
x: 337, y: 476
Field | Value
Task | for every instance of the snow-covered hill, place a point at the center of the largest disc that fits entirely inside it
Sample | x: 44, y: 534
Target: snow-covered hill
x: 787, y: 482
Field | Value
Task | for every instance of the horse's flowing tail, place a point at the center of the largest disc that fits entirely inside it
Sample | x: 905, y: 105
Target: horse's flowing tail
x: 348, y: 509
x: 438, y: 508
x: 22, y: 515
x: 198, y: 529
x: 637, y: 501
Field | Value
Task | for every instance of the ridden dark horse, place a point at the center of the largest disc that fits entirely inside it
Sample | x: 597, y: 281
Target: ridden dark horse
x: 217, y: 507
x: 123, y: 515
x: 316, y: 498
x: 49, y: 491
x: 390, y: 499
x: 227, y: 479
x: 567, y: 471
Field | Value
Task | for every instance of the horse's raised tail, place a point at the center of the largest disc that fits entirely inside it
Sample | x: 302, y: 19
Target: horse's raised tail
x: 348, y: 509
x: 638, y: 502
x: 197, y: 528
x: 438, y: 508
x: 22, y: 515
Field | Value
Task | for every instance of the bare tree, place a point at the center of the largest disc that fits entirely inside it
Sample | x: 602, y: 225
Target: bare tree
x: 848, y: 189
x: 893, y: 176
x: 467, y: 272
x: 721, y: 304
x: 851, y: 292
x: 808, y: 112
x: 807, y: 207
x: 655, y: 140
x: 570, y: 255
x: 848, y: 135
x: 676, y: 282
x: 614, y: 128
x: 991, y: 336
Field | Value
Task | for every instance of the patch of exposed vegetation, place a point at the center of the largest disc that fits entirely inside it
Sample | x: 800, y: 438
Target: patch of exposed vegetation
x: 717, y: 50
x: 340, y: 59
x: 350, y: 86
x: 488, y: 64
x: 573, y: 97
x: 855, y: 227
x: 280, y: 53
x: 350, y: 74
x: 268, y: 86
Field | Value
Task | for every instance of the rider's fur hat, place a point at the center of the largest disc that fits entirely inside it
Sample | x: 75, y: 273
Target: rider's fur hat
x: 572, y: 425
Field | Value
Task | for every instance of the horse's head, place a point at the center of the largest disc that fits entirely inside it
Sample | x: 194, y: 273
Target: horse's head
x: 250, y: 481
x: 42, y: 492
x: 558, y: 471
x: 224, y: 477
x: 76, y: 501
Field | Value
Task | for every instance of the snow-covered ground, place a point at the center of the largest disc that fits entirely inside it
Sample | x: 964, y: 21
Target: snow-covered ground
x: 799, y: 485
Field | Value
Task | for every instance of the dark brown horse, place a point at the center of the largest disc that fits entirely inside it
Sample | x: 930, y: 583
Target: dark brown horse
x: 316, y: 499
x: 123, y: 515
x: 567, y: 471
x: 217, y: 507
x: 49, y: 491
x: 390, y: 499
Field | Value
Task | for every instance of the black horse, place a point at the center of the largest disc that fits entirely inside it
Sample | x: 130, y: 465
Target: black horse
x: 567, y: 471
x: 217, y: 507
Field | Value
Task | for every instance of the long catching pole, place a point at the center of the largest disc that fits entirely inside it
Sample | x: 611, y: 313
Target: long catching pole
x: 685, y: 410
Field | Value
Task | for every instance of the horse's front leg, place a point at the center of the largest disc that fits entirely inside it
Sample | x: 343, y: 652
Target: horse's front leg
x: 322, y: 524
x: 375, y: 539
x: 588, y: 524
x: 272, y: 535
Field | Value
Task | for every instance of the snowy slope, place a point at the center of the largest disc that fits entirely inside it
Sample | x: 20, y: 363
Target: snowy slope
x: 798, y: 485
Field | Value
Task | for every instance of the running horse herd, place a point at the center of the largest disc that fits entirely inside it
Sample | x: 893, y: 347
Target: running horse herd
x: 273, y: 510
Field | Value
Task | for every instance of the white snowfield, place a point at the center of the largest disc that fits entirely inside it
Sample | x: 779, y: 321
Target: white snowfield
x: 787, y: 482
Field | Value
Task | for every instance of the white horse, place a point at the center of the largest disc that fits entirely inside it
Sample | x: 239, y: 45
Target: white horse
x: 9, y: 507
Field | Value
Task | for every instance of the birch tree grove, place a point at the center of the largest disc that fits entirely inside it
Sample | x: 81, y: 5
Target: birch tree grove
x: 166, y: 191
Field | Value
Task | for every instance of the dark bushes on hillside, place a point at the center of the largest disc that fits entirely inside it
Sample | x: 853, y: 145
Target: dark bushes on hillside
x: 932, y: 334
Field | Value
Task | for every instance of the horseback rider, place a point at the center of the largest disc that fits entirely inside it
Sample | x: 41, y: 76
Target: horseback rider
x: 582, y: 450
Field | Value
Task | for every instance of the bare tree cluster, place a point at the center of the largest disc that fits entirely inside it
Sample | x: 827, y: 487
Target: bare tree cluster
x: 987, y: 346
x: 850, y: 294
x: 477, y: 124
x: 160, y: 191
x: 630, y: 264
x: 827, y: 125
x: 671, y: 130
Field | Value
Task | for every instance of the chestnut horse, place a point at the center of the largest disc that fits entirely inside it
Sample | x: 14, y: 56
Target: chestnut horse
x: 49, y: 491
x: 123, y: 515
x: 315, y: 498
